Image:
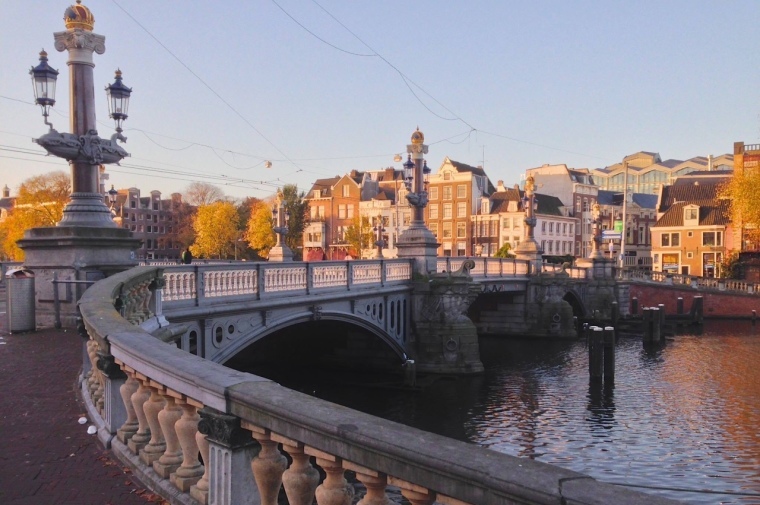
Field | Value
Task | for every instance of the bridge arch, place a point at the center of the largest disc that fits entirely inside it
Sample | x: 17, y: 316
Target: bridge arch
x: 576, y: 302
x: 257, y: 334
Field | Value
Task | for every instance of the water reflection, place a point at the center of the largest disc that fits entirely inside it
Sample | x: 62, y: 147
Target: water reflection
x: 680, y: 417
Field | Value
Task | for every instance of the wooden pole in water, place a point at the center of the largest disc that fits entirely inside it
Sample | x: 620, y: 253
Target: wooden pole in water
x: 656, y: 324
x: 634, y: 306
x: 646, y: 325
x: 679, y: 305
x: 615, y: 316
x: 662, y: 321
x: 595, y: 351
x: 609, y: 353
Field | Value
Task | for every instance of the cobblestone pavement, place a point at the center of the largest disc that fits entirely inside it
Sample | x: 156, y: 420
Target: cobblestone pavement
x: 46, y: 456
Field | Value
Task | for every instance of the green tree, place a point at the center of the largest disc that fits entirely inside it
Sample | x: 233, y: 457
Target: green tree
x: 298, y: 210
x: 40, y: 202
x: 503, y: 252
x: 216, y: 230
x: 359, y: 235
x: 259, y: 232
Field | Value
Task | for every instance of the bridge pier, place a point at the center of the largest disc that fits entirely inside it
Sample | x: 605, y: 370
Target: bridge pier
x: 446, y: 339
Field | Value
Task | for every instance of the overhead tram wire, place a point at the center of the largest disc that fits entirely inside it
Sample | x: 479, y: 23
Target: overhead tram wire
x: 208, y: 86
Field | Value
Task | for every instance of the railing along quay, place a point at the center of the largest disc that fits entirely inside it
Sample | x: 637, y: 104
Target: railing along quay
x: 159, y: 408
x: 691, y: 281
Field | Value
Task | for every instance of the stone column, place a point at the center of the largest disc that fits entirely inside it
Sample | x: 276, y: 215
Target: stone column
x: 230, y: 451
x: 200, y: 490
x: 139, y: 399
x: 114, y: 409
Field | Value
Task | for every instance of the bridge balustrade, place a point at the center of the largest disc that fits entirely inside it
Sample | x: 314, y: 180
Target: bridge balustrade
x: 719, y: 284
x: 159, y: 408
x: 485, y: 266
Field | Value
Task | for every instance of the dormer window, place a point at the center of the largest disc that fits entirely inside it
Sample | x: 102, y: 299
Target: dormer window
x: 691, y: 215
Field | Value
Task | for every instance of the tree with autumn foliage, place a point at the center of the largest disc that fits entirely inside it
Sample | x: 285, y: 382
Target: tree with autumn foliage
x: 359, y: 235
x: 39, y: 203
x: 742, y: 190
x: 216, y: 230
x: 259, y: 233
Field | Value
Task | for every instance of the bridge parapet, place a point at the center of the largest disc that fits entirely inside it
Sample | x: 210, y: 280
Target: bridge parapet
x: 158, y: 406
x: 693, y: 281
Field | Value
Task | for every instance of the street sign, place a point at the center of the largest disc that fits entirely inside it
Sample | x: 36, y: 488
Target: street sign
x: 611, y: 235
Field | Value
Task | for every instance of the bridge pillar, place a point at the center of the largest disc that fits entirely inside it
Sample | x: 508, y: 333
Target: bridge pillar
x: 547, y: 314
x: 446, y: 339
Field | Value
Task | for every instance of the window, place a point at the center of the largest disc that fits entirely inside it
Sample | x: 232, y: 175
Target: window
x: 342, y: 211
x: 578, y: 204
x: 461, y: 191
x: 689, y: 255
x: 446, y: 211
x: 447, y: 230
x: 350, y: 211
x: 585, y: 205
x: 551, y: 227
x: 571, y: 229
x: 434, y: 228
x: 712, y: 238
x: 543, y: 227
x: 447, y: 176
x: 434, y: 193
x: 447, y: 192
x: 506, y: 224
x: 461, y: 230
x: 690, y: 214
x: 346, y: 190
x: 461, y: 209
x: 433, y: 212
x: 564, y: 228
x: 670, y: 239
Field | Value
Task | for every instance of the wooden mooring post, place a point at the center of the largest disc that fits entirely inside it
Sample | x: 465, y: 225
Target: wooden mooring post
x: 595, y: 353
x: 646, y: 325
x: 679, y: 305
x: 634, y: 306
x: 656, y: 324
x: 698, y: 310
x: 609, y: 353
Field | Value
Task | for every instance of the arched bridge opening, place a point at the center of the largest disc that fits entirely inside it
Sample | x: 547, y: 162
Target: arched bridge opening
x: 575, y: 302
x: 308, y: 353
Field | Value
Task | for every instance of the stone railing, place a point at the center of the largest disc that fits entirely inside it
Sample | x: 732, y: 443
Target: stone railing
x: 486, y: 267
x: 203, y: 284
x: 159, y: 408
x: 692, y: 281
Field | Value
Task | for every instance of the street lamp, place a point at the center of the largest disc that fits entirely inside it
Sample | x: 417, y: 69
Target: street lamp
x: 44, y: 78
x: 82, y: 148
x: 280, y: 218
x: 112, y: 194
x: 379, y: 242
x: 596, y: 214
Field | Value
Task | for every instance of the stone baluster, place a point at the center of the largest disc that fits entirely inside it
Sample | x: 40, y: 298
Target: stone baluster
x: 334, y: 490
x: 93, y: 383
x: 191, y: 470
x: 375, y: 483
x: 199, y: 490
x: 127, y: 390
x: 417, y: 495
x: 171, y: 459
x: 268, y: 466
x: 301, y: 479
x: 139, y: 399
x: 157, y: 444
x: 114, y: 410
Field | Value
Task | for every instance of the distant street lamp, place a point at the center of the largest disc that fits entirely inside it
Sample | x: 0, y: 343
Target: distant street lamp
x: 379, y: 242
x: 112, y: 195
x: 280, y: 218
x: 596, y: 216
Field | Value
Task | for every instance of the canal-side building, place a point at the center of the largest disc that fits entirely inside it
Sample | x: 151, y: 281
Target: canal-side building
x: 455, y: 194
x: 641, y: 215
x: 693, y: 233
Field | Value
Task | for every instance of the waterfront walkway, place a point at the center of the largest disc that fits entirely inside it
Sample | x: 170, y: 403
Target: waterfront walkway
x: 46, y: 456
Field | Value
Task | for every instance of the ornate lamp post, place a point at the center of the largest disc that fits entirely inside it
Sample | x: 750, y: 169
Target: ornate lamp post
x: 280, y: 218
x: 379, y: 242
x: 82, y: 148
x: 112, y: 195
x: 528, y: 248
x: 417, y: 241
x: 87, y: 244
x: 596, y: 246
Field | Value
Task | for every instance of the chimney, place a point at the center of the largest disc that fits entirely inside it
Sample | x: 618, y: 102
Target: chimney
x: 500, y: 186
x: 6, y: 192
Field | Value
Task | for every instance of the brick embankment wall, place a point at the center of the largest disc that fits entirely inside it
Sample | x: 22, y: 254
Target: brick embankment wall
x: 716, y: 303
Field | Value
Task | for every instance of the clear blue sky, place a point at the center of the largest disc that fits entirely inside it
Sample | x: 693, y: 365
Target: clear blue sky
x: 511, y: 85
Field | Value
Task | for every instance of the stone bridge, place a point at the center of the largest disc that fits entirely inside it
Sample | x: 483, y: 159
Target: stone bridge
x: 197, y: 432
x: 216, y: 311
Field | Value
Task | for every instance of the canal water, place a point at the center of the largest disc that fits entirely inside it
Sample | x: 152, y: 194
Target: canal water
x: 682, y: 421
